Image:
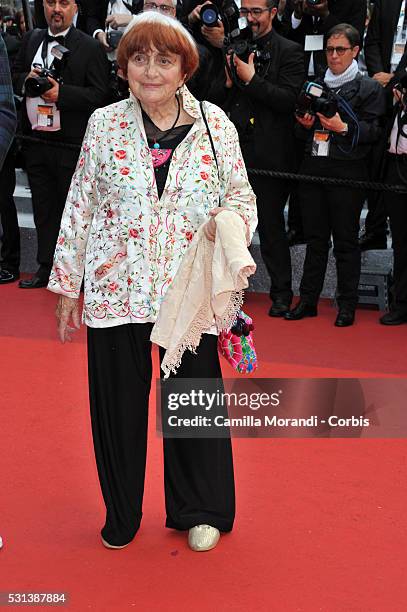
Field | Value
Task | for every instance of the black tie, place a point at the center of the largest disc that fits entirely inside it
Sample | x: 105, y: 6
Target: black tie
x: 58, y: 39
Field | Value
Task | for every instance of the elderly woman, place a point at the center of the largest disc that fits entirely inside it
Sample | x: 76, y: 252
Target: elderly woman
x: 146, y: 180
x: 337, y: 146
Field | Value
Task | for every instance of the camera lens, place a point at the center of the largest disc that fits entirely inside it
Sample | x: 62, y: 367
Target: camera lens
x: 209, y: 15
x: 36, y: 86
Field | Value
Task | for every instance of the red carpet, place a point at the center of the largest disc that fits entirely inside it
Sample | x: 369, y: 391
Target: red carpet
x: 320, y: 523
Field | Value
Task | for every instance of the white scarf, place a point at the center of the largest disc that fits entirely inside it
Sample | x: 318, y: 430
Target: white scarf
x: 208, y: 287
x: 333, y: 81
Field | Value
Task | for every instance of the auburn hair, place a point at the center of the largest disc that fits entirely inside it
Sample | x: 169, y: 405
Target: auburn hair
x: 166, y: 34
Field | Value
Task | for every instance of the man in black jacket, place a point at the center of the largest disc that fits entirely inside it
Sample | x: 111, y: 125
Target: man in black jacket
x: 261, y: 104
x: 59, y: 116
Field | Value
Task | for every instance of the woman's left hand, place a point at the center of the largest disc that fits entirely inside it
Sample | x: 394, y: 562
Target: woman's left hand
x: 333, y: 124
x: 210, y: 227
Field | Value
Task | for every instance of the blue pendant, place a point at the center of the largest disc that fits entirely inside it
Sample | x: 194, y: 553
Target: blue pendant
x: 156, y: 145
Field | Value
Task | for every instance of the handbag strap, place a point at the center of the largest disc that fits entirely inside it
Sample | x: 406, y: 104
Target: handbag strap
x: 211, y: 141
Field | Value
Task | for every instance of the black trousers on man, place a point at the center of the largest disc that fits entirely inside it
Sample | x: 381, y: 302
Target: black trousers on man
x: 331, y: 210
x: 49, y: 169
x: 271, y: 197
x: 396, y: 208
x: 10, y: 240
x: 198, y: 472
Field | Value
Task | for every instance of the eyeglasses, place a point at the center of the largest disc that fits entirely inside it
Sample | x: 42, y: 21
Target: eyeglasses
x: 162, y: 8
x: 339, y: 50
x: 63, y: 3
x: 256, y: 12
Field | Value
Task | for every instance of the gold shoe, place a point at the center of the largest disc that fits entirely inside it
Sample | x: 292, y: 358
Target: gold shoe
x: 203, y: 537
x: 112, y: 546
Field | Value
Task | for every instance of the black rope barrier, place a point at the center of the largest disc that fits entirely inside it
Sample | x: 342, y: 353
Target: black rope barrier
x: 364, y: 185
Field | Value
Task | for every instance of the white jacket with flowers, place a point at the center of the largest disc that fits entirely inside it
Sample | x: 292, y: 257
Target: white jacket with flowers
x: 118, y: 234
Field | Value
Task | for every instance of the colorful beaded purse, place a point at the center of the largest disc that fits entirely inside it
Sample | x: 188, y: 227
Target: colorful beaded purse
x: 237, y: 345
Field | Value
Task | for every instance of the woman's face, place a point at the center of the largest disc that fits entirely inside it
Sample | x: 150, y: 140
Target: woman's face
x: 153, y: 76
x: 340, y: 54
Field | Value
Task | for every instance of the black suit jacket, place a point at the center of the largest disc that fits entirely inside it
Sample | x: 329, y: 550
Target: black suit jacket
x: 85, y: 81
x: 340, y: 11
x: 380, y: 35
x: 268, y: 142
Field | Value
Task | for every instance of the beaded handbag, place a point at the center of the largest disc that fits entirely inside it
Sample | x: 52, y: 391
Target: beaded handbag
x: 237, y: 345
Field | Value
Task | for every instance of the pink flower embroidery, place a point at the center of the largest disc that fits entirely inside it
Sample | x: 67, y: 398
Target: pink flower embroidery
x: 189, y: 236
x: 123, y: 124
x: 133, y: 233
x: 204, y: 176
x: 120, y: 154
x: 207, y: 159
x: 81, y: 162
x: 109, y: 213
x: 125, y: 171
x: 61, y: 240
x: 113, y: 287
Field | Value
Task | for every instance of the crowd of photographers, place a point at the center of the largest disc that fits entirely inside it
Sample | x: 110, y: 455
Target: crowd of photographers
x: 315, y: 87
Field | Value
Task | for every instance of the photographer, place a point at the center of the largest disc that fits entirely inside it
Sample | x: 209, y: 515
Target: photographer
x: 259, y: 93
x: 338, y: 141
x: 76, y: 83
x: 395, y: 203
x: 107, y: 20
x: 308, y: 21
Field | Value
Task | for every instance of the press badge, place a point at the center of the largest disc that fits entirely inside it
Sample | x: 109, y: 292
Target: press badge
x: 314, y: 42
x: 321, y: 143
x: 45, y: 116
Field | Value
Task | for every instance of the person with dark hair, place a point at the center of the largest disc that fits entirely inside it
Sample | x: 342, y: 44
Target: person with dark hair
x: 8, y: 214
x: 338, y: 141
x: 261, y: 103
x: 307, y: 23
x: 58, y: 115
x: 148, y: 178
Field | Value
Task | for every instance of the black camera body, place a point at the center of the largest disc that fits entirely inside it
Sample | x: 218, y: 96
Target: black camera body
x: 113, y: 38
x: 314, y: 98
x: 39, y: 84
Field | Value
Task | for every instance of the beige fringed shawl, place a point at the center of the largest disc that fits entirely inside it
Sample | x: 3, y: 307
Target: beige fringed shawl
x: 207, y: 288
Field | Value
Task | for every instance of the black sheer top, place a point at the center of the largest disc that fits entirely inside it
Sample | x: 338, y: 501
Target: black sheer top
x: 168, y: 141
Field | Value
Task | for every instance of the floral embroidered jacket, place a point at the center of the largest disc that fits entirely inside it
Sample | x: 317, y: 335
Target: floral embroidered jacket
x: 115, y: 230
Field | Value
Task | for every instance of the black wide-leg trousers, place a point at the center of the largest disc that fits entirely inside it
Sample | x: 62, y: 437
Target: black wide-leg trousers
x: 198, y: 472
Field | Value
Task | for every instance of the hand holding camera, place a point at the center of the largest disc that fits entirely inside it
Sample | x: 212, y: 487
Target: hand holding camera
x: 244, y: 71
x: 333, y: 124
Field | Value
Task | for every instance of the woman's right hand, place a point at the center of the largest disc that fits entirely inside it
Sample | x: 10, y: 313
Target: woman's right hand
x: 67, y: 309
x: 306, y: 121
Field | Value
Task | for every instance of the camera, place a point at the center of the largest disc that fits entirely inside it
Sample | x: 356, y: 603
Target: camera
x: 401, y: 86
x: 113, y: 38
x: 37, y: 85
x: 313, y: 2
x: 209, y: 15
x: 313, y: 99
